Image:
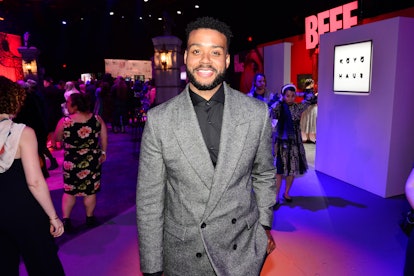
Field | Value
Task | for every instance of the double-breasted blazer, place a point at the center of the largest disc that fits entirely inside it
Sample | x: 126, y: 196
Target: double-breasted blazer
x: 194, y: 218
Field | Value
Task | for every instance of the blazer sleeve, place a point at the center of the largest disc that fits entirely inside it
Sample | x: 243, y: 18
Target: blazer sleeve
x: 264, y: 173
x: 150, y: 196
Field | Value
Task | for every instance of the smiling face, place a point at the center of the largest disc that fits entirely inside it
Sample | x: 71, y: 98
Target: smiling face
x: 207, y: 59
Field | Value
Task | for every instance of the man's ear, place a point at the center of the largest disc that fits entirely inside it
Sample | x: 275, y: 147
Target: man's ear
x: 227, y: 61
x: 185, y: 57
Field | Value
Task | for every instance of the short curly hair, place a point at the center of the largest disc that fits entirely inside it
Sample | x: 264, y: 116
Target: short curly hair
x: 12, y: 96
x: 207, y: 22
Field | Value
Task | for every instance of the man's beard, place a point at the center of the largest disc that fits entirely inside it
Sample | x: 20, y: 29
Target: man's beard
x: 217, y: 81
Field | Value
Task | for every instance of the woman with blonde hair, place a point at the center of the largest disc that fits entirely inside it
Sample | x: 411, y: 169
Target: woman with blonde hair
x: 309, y: 116
x: 69, y: 89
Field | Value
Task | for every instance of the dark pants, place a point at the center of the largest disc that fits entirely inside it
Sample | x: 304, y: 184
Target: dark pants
x: 409, y: 256
x: 34, y: 244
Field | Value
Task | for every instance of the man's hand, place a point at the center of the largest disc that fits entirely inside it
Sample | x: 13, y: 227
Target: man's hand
x: 271, y: 245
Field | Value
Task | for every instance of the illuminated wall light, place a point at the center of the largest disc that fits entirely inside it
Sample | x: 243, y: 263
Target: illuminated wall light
x: 28, y: 67
x: 1, y: 18
x: 197, y: 6
x: 178, y: 12
x: 163, y: 58
x: 111, y: 13
x: 64, y: 22
x: 160, y: 18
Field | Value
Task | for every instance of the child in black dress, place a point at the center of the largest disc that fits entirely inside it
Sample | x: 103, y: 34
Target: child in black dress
x: 288, y: 145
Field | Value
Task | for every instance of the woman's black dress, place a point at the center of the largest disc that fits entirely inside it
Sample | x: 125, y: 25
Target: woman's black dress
x: 24, y: 228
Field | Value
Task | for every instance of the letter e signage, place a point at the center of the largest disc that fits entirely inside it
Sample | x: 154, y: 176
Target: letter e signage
x: 315, y: 25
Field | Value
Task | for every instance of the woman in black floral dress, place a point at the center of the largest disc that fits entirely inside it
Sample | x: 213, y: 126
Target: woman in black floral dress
x: 85, y: 142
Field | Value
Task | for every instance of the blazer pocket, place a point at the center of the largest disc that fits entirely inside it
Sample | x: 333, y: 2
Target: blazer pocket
x: 174, y: 229
x: 251, y: 219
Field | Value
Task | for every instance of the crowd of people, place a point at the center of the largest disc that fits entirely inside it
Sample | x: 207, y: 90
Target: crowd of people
x: 116, y: 100
x: 207, y: 186
x: 74, y: 117
x: 36, y: 119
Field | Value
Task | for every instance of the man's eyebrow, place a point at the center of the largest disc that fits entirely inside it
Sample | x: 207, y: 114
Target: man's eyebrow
x: 202, y: 45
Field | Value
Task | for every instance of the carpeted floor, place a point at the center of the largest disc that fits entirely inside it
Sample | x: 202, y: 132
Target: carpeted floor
x: 330, y: 228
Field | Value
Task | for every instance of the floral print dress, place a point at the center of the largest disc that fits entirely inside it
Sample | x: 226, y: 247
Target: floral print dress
x: 81, y: 168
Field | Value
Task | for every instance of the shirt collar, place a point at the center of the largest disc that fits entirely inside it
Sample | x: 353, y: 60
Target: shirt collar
x: 217, y: 97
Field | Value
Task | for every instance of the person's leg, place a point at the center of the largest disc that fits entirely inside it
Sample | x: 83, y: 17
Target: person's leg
x: 304, y: 136
x: 90, y: 204
x: 53, y: 162
x: 9, y: 255
x: 50, y: 140
x: 312, y: 131
x: 39, y: 250
x: 312, y: 137
x: 116, y: 117
x: 289, y: 182
x: 279, y: 169
x: 409, y: 256
x: 278, y: 185
x: 68, y: 201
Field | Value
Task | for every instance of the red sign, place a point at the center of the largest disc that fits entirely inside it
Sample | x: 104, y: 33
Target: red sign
x: 327, y: 22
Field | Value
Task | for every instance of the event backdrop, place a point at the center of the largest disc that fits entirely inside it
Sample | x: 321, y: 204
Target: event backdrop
x: 129, y: 68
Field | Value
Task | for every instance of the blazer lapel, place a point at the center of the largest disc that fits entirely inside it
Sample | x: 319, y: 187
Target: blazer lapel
x: 233, y: 137
x: 191, y: 140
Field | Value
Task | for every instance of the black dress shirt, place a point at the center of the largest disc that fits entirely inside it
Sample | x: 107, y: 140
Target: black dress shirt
x: 210, y: 116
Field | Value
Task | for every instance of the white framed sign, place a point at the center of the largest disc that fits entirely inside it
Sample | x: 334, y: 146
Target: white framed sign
x: 352, y: 68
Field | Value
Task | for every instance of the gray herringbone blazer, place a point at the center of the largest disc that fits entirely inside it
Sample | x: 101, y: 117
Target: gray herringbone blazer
x: 194, y: 218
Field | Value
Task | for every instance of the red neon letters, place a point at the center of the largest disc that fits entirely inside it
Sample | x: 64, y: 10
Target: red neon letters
x: 315, y: 25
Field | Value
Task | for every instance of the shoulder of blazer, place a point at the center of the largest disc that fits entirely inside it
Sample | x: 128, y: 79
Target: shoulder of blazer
x: 244, y: 101
x: 180, y: 102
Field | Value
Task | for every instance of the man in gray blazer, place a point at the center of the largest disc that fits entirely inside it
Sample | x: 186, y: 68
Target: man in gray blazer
x: 206, y: 180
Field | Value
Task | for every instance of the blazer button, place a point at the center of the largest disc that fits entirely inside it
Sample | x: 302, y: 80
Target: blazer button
x: 198, y: 255
x: 203, y: 225
x: 234, y: 246
x: 234, y: 221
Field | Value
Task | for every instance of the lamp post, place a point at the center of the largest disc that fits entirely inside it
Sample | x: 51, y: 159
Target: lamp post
x: 167, y: 63
x: 29, y: 56
x: 163, y: 59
